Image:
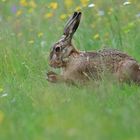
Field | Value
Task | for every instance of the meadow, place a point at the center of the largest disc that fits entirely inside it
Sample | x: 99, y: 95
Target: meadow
x: 33, y: 109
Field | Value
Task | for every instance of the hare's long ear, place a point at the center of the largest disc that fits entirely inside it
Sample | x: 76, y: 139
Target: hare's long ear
x: 72, y: 24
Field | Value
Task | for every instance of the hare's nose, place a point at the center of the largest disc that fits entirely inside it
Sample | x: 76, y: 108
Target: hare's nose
x: 51, y: 63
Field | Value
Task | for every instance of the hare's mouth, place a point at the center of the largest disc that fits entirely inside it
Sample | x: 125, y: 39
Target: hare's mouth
x: 56, y: 64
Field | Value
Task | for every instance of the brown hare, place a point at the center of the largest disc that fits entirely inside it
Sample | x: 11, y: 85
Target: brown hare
x: 80, y: 67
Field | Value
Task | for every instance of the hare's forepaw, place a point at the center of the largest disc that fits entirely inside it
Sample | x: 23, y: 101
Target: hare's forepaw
x: 52, y: 77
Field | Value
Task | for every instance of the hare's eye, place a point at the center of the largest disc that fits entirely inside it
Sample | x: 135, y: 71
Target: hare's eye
x: 57, y: 49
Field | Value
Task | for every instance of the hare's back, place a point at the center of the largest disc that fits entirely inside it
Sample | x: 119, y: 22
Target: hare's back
x: 108, y: 54
x: 112, y: 53
x: 108, y: 59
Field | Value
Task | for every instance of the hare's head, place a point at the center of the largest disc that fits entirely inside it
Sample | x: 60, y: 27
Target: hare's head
x: 62, y: 49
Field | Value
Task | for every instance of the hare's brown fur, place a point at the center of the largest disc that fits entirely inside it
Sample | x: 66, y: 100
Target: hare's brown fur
x: 80, y: 67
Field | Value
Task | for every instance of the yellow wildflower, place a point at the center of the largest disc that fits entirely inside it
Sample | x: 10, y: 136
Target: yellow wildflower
x: 31, y: 41
x: 106, y: 35
x: 19, y: 12
x: 128, y: 27
x: 96, y: 36
x: 1, y: 89
x: 1, y: 117
x: 23, y: 3
x: 40, y: 34
x: 31, y: 10
x: 68, y: 3
x: 110, y: 11
x: 48, y: 15
x: 32, y: 4
x: 78, y: 8
x: 84, y: 2
x: 53, y: 5
x: 63, y: 16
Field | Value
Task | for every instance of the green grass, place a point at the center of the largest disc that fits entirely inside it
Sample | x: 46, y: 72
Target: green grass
x: 33, y: 109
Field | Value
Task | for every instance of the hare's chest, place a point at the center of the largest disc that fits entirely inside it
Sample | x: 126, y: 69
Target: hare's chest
x: 81, y: 69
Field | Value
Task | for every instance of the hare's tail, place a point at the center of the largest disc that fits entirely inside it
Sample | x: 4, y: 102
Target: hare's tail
x: 137, y: 75
x: 129, y: 70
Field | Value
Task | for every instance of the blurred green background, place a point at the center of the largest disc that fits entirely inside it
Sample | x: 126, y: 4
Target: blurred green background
x: 33, y: 109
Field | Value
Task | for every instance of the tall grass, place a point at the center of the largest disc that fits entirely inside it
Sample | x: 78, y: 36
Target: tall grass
x: 30, y: 107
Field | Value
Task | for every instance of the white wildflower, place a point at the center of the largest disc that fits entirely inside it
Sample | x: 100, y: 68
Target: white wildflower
x: 101, y: 13
x: 43, y: 43
x: 126, y: 3
x: 91, y: 5
x: 4, y: 95
x: 138, y: 15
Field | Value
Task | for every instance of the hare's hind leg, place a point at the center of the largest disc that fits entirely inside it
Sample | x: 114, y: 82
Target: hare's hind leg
x: 129, y: 70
